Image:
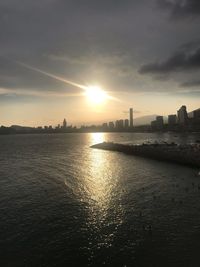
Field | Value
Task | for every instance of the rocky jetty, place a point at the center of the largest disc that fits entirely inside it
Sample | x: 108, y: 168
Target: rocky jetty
x: 188, y: 154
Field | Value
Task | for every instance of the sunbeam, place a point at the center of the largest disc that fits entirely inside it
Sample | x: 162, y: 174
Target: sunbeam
x: 52, y: 75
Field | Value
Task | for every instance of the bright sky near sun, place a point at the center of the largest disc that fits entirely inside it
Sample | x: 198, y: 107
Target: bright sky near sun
x: 96, y: 95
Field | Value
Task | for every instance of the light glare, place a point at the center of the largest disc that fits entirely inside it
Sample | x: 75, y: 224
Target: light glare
x: 96, y: 95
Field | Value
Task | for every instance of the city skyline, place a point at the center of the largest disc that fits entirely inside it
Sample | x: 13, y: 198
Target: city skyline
x: 125, y: 115
x: 181, y: 120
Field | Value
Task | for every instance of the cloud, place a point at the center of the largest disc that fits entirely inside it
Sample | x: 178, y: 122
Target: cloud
x: 181, y: 8
x: 98, y: 7
x: 73, y: 39
x: 195, y: 83
x: 184, y: 60
x: 24, y: 92
x: 87, y: 41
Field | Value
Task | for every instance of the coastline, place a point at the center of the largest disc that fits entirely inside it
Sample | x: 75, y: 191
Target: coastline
x: 188, y: 154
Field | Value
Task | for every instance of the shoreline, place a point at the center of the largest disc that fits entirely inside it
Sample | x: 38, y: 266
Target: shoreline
x: 188, y: 155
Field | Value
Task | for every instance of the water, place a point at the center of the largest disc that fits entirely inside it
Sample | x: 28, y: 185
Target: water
x: 65, y: 204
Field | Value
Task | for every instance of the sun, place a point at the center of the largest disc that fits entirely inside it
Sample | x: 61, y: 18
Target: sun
x: 96, y: 95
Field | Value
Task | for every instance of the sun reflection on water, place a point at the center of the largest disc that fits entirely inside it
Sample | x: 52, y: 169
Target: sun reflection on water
x: 102, y: 196
x: 97, y: 138
x: 100, y: 183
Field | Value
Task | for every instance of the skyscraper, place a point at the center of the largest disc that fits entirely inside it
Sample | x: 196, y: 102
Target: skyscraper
x: 111, y: 125
x: 182, y: 115
x: 160, y: 122
x: 131, y: 117
x: 126, y: 123
x: 172, y: 119
x: 64, y: 124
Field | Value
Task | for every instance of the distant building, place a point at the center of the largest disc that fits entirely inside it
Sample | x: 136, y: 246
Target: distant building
x: 131, y: 117
x: 111, y: 125
x: 119, y: 124
x: 157, y: 124
x: 182, y: 116
x: 172, y: 120
x: 105, y: 125
x: 126, y: 123
x: 154, y: 125
x: 64, y: 124
x: 160, y: 122
x: 194, y: 119
x: 196, y: 113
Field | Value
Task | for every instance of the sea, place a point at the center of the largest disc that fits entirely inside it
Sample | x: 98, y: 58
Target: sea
x: 63, y: 203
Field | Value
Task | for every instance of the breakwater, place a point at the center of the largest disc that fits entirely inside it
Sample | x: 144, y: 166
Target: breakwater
x: 188, y: 154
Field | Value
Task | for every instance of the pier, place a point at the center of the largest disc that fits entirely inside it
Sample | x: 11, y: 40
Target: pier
x: 188, y: 154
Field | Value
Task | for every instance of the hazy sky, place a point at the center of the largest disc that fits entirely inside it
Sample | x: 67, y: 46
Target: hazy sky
x: 145, y: 53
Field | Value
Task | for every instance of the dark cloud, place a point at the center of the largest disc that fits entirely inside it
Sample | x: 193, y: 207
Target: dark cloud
x: 72, y: 39
x: 99, y: 6
x: 184, y: 60
x: 15, y: 76
x: 195, y: 83
x: 84, y: 41
x: 181, y: 8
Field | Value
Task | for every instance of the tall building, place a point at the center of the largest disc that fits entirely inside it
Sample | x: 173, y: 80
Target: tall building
x: 182, y: 115
x: 159, y: 122
x: 126, y: 123
x: 119, y: 124
x: 154, y: 125
x: 172, y: 119
x: 111, y: 125
x: 194, y: 118
x: 64, y: 124
x: 105, y: 125
x: 196, y: 113
x: 131, y: 117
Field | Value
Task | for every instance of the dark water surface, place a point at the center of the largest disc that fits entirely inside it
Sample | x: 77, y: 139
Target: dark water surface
x: 65, y: 204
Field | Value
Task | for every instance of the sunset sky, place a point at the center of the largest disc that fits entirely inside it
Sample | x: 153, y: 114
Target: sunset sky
x: 144, y: 54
